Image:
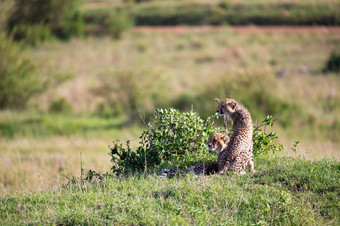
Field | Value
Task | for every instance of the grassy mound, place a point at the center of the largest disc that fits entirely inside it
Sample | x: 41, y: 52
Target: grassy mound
x: 282, y: 191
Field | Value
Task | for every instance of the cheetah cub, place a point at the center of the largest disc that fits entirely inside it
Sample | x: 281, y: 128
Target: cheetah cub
x: 239, y: 152
x: 216, y: 142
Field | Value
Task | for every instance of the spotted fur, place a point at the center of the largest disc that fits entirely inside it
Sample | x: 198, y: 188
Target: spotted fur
x: 239, y: 152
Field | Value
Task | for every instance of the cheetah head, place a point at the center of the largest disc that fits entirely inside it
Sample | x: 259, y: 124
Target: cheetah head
x: 217, y: 142
x: 226, y: 107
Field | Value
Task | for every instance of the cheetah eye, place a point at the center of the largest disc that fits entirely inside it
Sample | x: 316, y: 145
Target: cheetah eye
x: 214, y: 142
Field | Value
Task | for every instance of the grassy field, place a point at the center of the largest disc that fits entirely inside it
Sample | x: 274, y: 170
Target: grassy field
x: 283, y: 191
x: 98, y: 90
x: 182, y: 69
x: 40, y: 150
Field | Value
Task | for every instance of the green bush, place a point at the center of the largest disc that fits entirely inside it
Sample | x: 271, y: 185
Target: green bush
x: 5, y: 7
x: 172, y: 139
x: 333, y: 63
x: 178, y: 140
x: 263, y: 142
x: 19, y: 78
x: 224, y: 4
x: 60, y: 105
x: 33, y: 34
x: 61, y: 17
x: 116, y: 23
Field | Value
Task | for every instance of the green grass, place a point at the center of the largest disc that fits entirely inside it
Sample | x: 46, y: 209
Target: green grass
x: 223, y: 12
x: 283, y: 191
x: 30, y: 125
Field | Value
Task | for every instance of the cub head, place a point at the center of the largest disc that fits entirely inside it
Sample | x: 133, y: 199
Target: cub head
x: 226, y: 107
x: 217, y: 142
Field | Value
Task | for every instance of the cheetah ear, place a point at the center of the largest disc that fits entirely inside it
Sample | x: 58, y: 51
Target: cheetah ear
x: 233, y: 105
x: 218, y: 100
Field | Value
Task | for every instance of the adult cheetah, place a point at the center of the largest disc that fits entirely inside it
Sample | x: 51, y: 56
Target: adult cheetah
x: 239, y: 152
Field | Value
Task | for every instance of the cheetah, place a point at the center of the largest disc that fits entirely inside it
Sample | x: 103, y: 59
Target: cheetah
x: 239, y: 152
x: 216, y: 142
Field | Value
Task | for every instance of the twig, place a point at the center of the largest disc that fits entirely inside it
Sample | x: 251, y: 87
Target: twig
x: 263, y: 123
x: 66, y: 176
x: 143, y: 120
x: 141, y: 116
x: 81, y: 168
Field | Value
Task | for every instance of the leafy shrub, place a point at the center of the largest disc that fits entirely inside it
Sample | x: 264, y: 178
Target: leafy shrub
x: 172, y: 139
x: 224, y: 4
x: 333, y: 63
x: 8, y: 129
x: 104, y: 110
x: 61, y: 17
x: 19, y: 78
x: 60, y: 105
x: 263, y: 142
x: 115, y: 23
x: 6, y: 7
x: 175, y: 139
x: 33, y: 34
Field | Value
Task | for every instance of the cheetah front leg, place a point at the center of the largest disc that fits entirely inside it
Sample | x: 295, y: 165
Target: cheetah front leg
x: 251, y: 165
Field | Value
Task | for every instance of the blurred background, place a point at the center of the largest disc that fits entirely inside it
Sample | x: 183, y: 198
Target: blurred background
x: 76, y: 75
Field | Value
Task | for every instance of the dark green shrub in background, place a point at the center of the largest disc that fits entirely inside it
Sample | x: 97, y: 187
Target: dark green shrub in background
x: 19, y: 78
x: 5, y: 9
x: 33, y: 34
x: 333, y: 63
x: 61, y: 17
x: 115, y: 23
x: 60, y: 105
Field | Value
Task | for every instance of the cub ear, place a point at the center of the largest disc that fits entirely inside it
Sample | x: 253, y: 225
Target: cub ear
x: 226, y: 139
x: 217, y: 100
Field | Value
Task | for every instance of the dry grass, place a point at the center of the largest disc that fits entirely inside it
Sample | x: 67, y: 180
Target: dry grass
x: 34, y: 164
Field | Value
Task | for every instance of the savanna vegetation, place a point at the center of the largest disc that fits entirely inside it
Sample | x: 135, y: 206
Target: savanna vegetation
x: 232, y: 12
x: 65, y: 95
